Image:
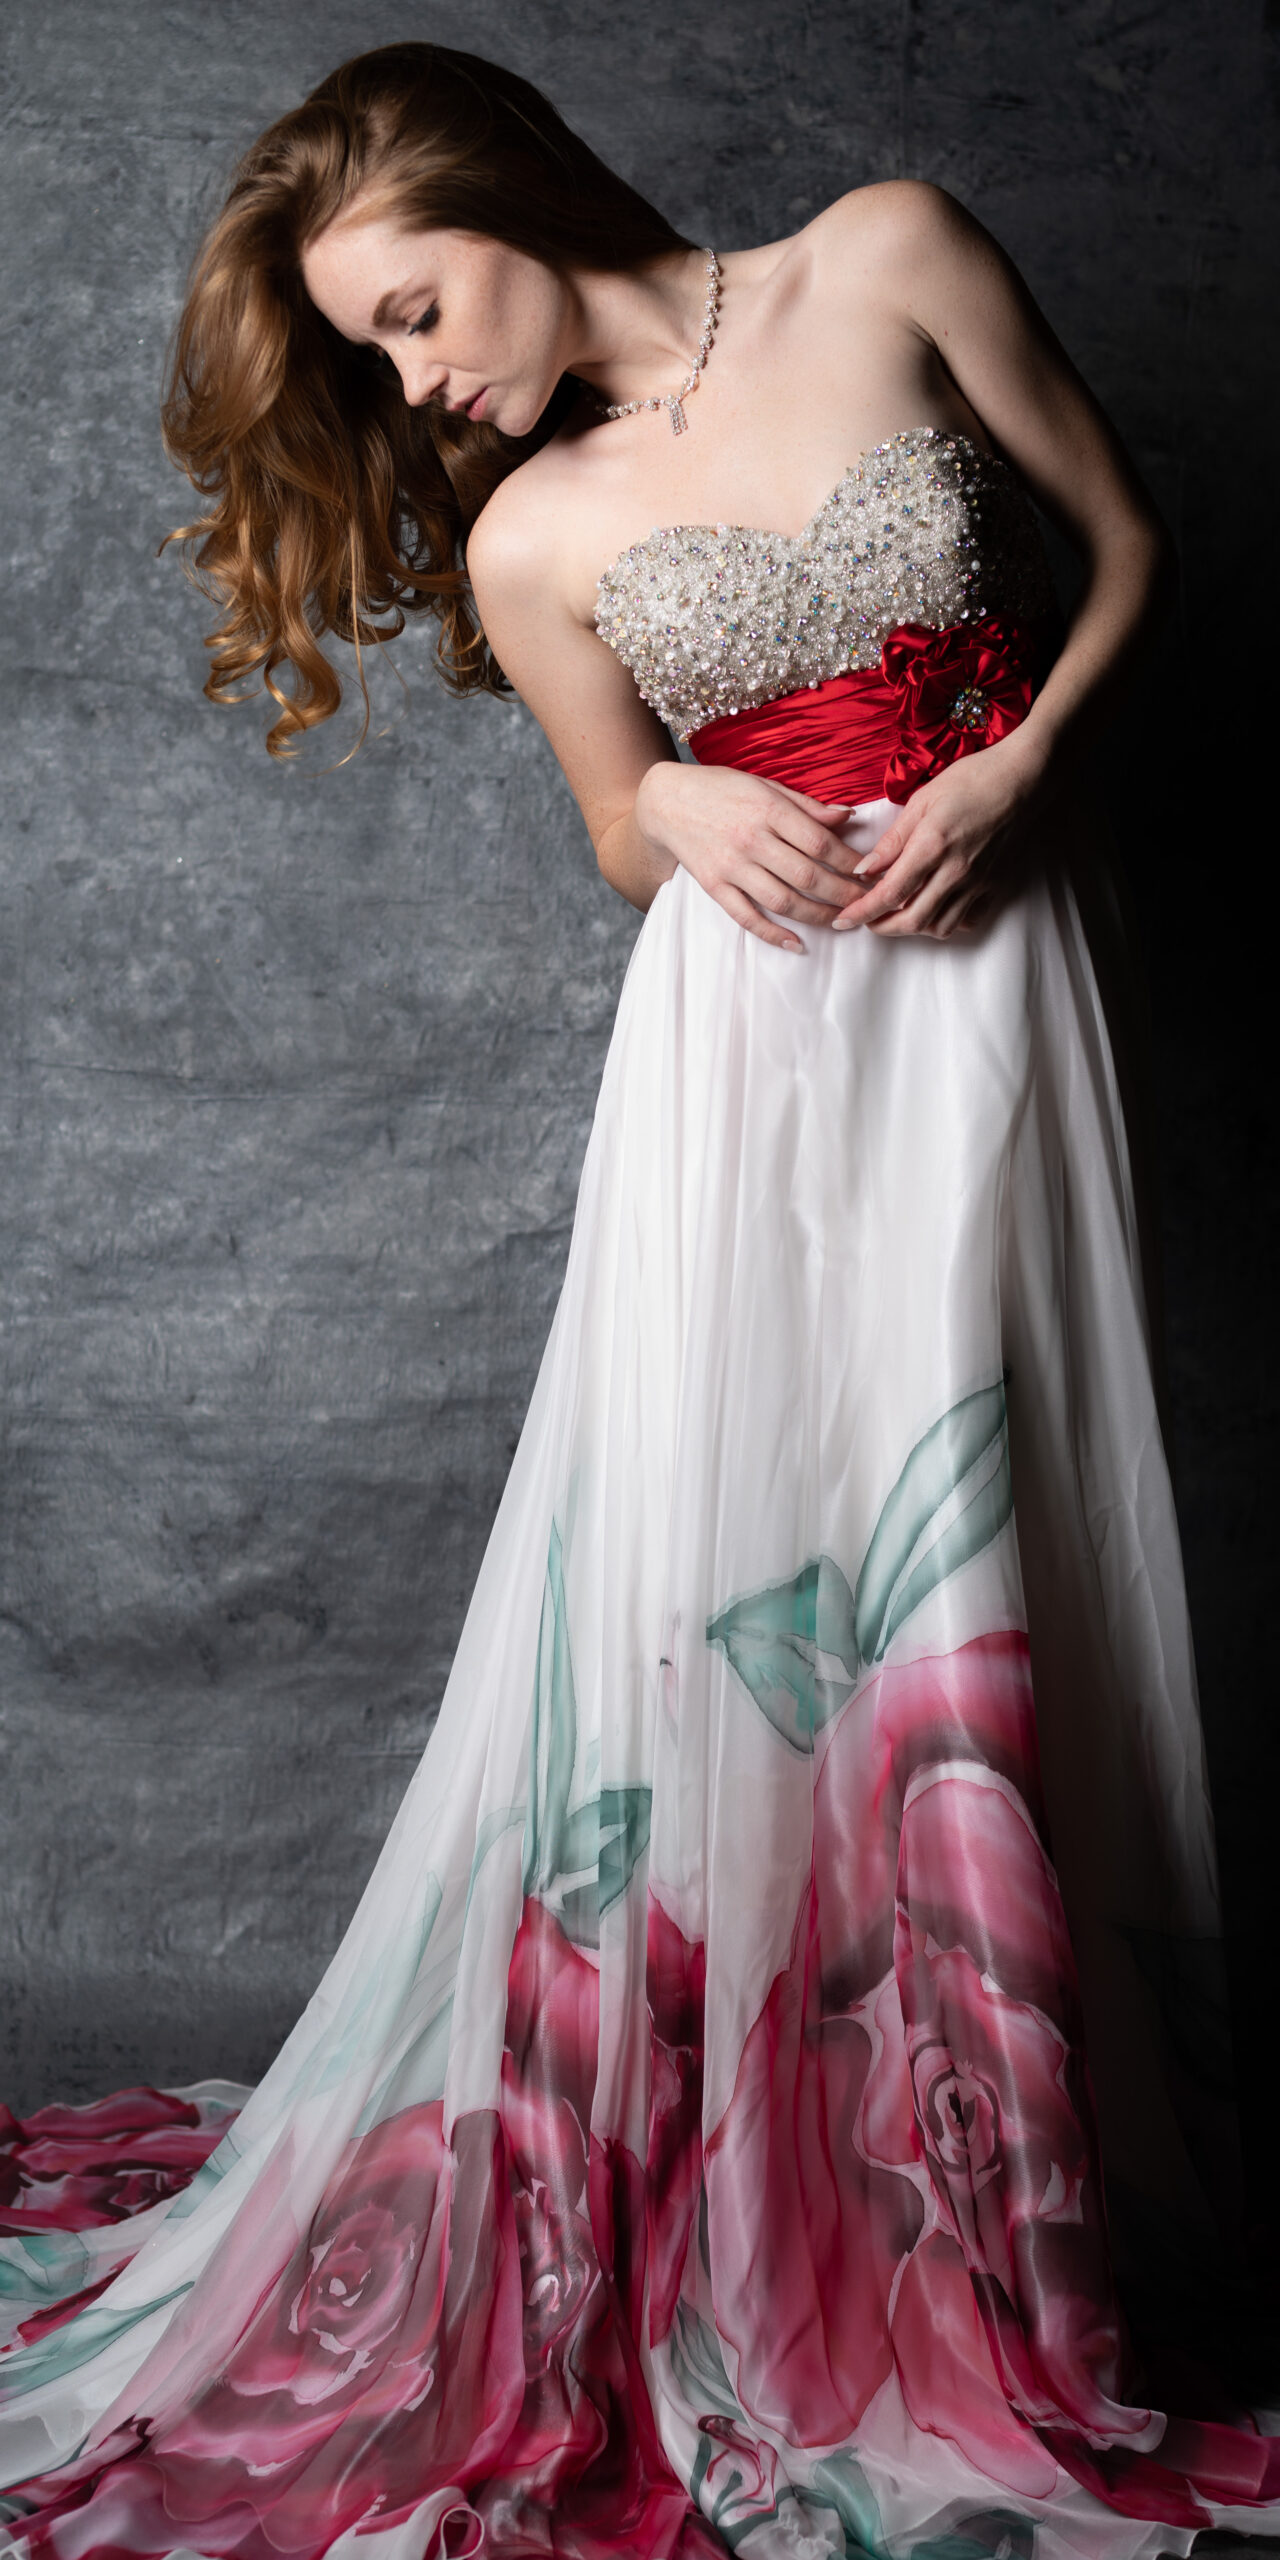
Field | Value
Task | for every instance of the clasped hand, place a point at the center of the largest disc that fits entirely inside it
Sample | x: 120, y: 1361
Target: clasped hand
x: 764, y: 851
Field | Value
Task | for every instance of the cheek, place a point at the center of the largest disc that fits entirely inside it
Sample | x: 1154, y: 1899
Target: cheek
x: 525, y: 318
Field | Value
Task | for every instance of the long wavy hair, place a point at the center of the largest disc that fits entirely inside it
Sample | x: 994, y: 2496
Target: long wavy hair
x: 335, y: 506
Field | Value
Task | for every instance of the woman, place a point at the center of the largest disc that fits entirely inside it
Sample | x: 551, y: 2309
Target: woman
x: 692, y: 2145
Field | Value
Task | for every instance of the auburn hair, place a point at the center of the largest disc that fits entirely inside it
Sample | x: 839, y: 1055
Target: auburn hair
x: 335, y: 506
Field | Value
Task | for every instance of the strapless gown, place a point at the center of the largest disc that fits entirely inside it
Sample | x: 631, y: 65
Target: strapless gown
x: 773, y: 2094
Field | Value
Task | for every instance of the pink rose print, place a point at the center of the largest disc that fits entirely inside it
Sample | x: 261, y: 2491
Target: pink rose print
x: 368, y: 2377
x: 922, y: 2086
x: 78, y: 2168
x: 677, y: 1980
x: 946, y: 2374
x: 807, y: 2233
x: 461, y: 2316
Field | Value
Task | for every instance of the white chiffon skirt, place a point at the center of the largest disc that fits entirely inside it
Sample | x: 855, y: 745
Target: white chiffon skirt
x: 789, y: 1991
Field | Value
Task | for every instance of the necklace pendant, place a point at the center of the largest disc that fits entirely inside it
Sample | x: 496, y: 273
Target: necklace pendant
x: 673, y: 401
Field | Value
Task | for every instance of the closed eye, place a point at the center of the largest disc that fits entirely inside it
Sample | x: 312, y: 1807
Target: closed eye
x: 418, y: 328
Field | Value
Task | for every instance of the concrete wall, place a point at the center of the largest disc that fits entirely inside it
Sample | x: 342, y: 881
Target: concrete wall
x: 298, y: 1066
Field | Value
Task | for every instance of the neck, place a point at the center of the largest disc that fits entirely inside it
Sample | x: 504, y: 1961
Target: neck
x: 637, y: 333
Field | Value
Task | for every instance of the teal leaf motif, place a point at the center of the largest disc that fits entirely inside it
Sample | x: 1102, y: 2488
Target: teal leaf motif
x: 794, y: 1648
x: 996, y: 2534
x: 842, y: 2483
x: 578, y: 1859
x: 603, y: 1842
x: 837, y: 2515
x: 798, y: 1647
x: 86, y: 2334
x: 698, y: 2366
x: 504, y: 1818
x: 972, y: 1430
x: 554, y: 1739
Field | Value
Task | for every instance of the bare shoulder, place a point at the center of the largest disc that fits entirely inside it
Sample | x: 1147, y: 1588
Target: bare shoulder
x: 513, y: 540
x: 888, y: 232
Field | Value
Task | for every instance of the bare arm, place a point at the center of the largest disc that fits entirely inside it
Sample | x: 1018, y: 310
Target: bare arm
x: 929, y: 272
x: 748, y: 842
x: 932, y: 867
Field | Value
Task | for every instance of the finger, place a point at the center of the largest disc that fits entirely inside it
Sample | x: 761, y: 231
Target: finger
x: 826, y: 809
x: 815, y: 844
x: 770, y: 888
x: 926, y: 859
x: 902, y: 844
x: 966, y: 915
x: 806, y: 875
x: 891, y: 845
x: 917, y: 912
x: 901, y: 883
x: 739, y: 906
x: 916, y: 916
x: 885, y: 851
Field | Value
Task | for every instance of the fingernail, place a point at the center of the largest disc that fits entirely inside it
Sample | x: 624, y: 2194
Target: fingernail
x: 864, y: 865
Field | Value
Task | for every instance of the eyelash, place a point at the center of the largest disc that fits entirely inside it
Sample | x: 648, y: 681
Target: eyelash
x: 427, y: 321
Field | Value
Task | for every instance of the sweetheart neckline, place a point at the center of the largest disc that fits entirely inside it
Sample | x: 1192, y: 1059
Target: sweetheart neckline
x: 769, y: 533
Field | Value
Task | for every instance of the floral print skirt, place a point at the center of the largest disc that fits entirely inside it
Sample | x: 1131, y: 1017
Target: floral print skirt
x: 769, y: 2098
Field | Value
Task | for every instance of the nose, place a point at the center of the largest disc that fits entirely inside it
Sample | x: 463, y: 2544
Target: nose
x: 421, y: 379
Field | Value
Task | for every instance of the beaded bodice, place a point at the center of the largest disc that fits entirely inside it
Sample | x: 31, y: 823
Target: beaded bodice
x: 718, y: 618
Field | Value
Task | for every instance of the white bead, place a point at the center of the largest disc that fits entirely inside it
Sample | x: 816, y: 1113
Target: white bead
x: 767, y: 614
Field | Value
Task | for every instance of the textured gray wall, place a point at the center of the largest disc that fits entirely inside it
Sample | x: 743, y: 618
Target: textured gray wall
x: 298, y: 1065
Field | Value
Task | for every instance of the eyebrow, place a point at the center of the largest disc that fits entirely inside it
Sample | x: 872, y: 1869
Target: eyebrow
x: 386, y: 306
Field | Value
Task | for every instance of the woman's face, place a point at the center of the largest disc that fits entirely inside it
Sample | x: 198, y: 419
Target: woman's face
x: 466, y: 321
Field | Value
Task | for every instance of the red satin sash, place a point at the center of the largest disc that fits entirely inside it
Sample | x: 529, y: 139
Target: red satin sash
x: 879, y: 732
x: 833, y: 740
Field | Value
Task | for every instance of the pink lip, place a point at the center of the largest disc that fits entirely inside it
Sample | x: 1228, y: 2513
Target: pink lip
x: 475, y: 408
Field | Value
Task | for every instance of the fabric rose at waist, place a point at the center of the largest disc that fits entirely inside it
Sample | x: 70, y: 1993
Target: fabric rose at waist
x: 877, y: 733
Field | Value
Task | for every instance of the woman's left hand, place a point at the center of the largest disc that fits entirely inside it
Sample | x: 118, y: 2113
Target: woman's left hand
x: 943, y: 862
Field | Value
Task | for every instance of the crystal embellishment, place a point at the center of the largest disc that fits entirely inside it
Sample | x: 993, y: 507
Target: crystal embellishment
x: 971, y: 709
x: 715, y: 618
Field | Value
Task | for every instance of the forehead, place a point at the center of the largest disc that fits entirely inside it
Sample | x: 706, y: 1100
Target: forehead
x: 358, y: 264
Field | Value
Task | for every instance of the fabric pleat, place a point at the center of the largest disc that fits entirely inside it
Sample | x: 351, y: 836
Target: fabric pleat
x: 779, y: 2056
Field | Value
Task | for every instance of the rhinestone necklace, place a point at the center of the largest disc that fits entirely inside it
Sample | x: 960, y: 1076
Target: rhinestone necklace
x: 674, y: 400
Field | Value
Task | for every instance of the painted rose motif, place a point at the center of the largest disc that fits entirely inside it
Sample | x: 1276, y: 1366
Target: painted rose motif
x: 807, y: 2232
x: 366, y: 2379
x: 972, y: 1709
x: 952, y: 2134
x: 677, y: 1982
x: 78, y: 2168
x: 548, y: 2077
x: 956, y: 690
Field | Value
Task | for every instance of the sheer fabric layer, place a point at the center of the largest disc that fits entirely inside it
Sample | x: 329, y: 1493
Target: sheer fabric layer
x: 692, y: 2145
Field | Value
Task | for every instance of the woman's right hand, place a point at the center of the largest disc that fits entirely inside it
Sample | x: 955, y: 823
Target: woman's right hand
x: 752, y: 845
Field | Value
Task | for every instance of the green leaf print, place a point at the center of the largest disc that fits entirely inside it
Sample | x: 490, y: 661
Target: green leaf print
x: 841, y: 2483
x: 40, y: 2267
x: 89, y: 2333
x: 554, y: 1739
x: 995, y: 2534
x: 799, y: 1647
x: 971, y: 1430
x: 836, y: 2515
x: 698, y: 2365
x: 580, y: 1858
x: 793, y: 1646
x: 624, y: 1837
